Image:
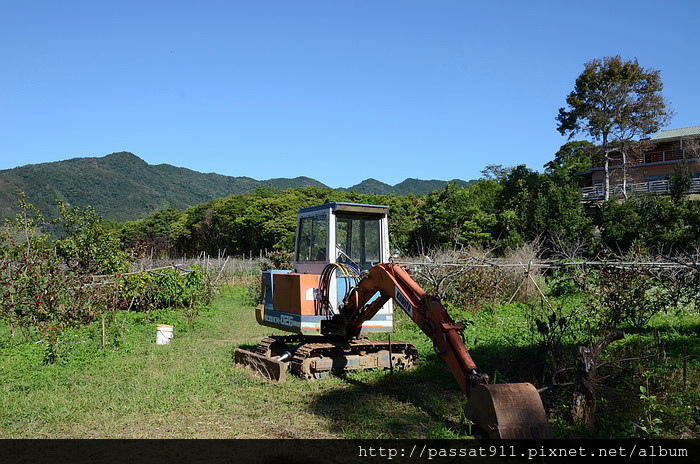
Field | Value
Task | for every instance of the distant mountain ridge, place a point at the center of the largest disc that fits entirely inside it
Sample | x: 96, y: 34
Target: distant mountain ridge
x: 121, y: 186
x: 415, y: 186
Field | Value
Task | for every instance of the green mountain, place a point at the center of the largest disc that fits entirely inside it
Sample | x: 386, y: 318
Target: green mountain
x: 415, y: 186
x: 282, y: 183
x: 122, y: 186
x: 370, y: 186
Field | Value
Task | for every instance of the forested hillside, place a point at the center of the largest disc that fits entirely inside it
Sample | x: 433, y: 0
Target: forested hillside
x: 121, y: 186
x: 522, y: 206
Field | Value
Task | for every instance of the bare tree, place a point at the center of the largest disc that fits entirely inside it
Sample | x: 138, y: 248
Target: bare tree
x: 440, y: 270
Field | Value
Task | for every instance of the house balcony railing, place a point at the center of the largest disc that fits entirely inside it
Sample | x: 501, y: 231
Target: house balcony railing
x: 660, y: 187
x: 666, y: 156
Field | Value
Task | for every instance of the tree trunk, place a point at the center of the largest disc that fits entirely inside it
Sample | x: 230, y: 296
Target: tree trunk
x: 607, y: 176
x: 624, y: 174
x: 606, y: 154
x: 584, y: 398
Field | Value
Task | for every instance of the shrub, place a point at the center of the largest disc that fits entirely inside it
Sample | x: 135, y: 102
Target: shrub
x: 163, y: 288
x: 651, y: 224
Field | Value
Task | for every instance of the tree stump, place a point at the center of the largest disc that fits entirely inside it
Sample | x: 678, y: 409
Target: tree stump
x: 584, y: 397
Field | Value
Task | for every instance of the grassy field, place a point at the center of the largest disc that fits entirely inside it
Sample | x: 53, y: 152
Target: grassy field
x: 190, y: 389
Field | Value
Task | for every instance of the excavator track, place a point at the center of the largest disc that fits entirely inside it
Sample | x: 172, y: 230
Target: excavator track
x: 315, y: 360
x: 277, y: 345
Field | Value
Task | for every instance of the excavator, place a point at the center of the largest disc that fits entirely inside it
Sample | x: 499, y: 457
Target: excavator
x: 343, y: 287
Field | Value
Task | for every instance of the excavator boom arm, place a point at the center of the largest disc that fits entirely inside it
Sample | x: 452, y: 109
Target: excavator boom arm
x: 392, y: 281
x: 503, y: 410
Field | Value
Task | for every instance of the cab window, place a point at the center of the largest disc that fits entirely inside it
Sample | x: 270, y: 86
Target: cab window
x: 358, y: 239
x: 312, y: 238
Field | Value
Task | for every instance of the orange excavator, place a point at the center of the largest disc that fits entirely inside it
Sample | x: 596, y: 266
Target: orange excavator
x: 333, y: 299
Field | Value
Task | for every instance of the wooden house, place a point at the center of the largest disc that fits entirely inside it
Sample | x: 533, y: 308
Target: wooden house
x: 646, y: 166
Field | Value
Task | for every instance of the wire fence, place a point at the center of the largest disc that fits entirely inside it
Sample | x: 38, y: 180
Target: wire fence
x: 550, y: 264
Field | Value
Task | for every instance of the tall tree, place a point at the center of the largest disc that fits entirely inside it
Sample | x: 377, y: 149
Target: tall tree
x: 613, y: 102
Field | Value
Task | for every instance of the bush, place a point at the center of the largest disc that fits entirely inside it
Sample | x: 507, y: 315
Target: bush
x: 651, y: 224
x: 163, y: 288
x: 465, y: 280
x: 47, y: 287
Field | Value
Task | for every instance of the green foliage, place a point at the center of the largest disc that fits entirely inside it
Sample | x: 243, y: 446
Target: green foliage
x: 622, y: 296
x: 189, y: 378
x: 407, y: 187
x: 495, y: 172
x: 614, y: 98
x: 522, y: 206
x: 123, y: 187
x: 40, y: 295
x: 650, y: 223
x: 650, y: 425
x: 88, y: 245
x: 513, y: 206
x: 681, y: 181
x: 266, y: 220
x: 534, y: 206
x: 281, y: 259
x: 572, y: 158
x: 458, y: 217
x: 584, y: 305
x: 49, y: 287
x: 154, y: 230
x: 162, y: 288
x: 614, y: 101
x: 479, y: 287
x: 610, y: 297
x: 473, y: 289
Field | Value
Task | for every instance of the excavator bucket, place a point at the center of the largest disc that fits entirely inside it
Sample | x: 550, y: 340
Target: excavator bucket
x: 268, y: 368
x: 508, y: 411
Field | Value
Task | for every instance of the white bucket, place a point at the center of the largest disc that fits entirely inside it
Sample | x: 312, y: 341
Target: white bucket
x: 163, y: 334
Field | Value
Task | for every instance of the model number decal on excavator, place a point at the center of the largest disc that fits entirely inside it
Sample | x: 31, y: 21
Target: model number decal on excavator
x: 283, y: 319
x: 403, y: 302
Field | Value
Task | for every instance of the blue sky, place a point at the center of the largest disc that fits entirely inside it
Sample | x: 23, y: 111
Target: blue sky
x: 335, y: 90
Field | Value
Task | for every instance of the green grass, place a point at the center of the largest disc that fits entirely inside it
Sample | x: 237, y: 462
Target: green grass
x: 190, y: 389
x: 664, y: 358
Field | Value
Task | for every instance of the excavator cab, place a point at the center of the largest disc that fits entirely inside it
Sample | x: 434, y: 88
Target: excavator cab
x: 345, y: 240
x: 341, y: 232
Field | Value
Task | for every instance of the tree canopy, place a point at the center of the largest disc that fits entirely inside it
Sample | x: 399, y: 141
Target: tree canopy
x: 614, y: 98
x: 614, y: 101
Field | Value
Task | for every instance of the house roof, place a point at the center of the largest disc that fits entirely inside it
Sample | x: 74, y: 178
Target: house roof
x: 671, y: 134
